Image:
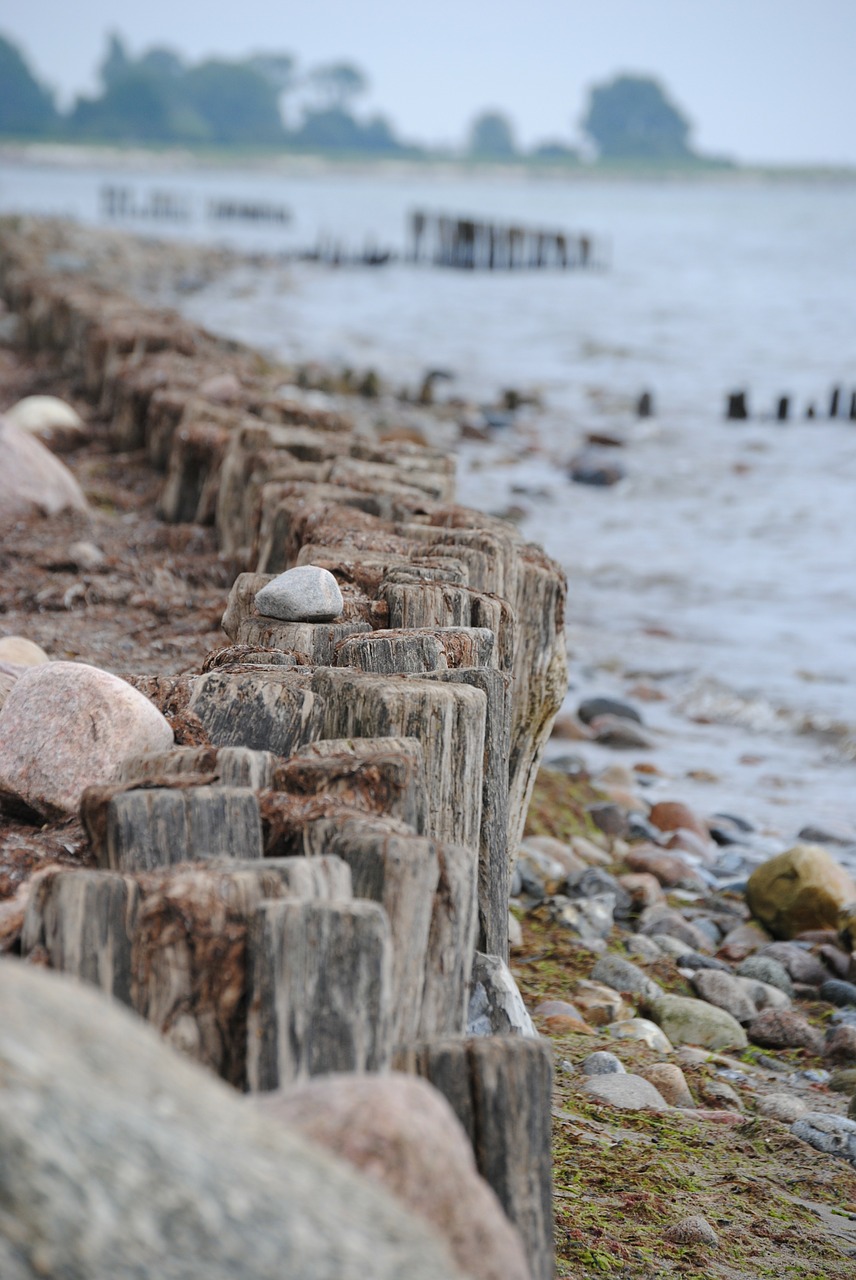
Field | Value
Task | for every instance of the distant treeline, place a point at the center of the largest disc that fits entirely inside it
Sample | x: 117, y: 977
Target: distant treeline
x: 267, y: 101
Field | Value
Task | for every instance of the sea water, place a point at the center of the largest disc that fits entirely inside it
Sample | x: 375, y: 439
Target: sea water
x: 720, y: 573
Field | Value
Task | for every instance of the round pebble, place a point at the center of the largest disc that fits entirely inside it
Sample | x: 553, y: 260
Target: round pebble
x: 837, y: 992
x: 784, y: 1107
x: 834, y: 1135
x: 766, y: 969
x: 692, y: 1230
x: 602, y: 1064
x: 783, y: 1029
x: 671, y: 1082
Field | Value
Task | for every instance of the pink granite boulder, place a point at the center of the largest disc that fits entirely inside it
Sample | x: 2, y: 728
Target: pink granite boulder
x: 32, y: 480
x: 400, y: 1131
x: 66, y: 726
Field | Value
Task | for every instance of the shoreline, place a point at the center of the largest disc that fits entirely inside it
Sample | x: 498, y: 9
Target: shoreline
x: 79, y: 155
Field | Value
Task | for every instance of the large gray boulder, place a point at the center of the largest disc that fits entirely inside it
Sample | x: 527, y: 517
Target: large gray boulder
x: 122, y: 1160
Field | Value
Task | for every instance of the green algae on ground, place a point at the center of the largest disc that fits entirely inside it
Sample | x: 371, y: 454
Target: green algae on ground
x: 559, y: 806
x: 780, y: 1209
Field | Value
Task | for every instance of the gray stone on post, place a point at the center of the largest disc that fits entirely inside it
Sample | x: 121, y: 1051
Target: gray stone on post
x: 304, y: 594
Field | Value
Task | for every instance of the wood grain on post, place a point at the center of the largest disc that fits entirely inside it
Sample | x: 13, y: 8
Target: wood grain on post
x: 402, y: 873
x: 448, y: 720
x: 320, y: 984
x: 494, y: 862
x: 84, y: 922
x: 381, y: 775
x: 414, y: 651
x: 189, y: 951
x: 264, y: 708
x: 500, y: 1089
x: 190, y: 490
x: 225, y: 766
x: 143, y: 829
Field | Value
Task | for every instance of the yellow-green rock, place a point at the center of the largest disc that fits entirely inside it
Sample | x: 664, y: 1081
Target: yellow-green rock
x: 804, y: 888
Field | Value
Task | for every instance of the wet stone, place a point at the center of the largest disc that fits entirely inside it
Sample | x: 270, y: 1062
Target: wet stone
x: 724, y: 991
x: 692, y: 1230
x: 585, y: 918
x: 602, y: 1063
x: 671, y: 1082
x: 643, y: 1030
x: 834, y: 1135
x: 630, y: 1092
x: 840, y: 993
x: 625, y: 976
x: 591, y: 708
x: 784, y: 1107
x: 798, y: 962
x: 783, y: 1029
x: 839, y: 1047
x: 613, y: 731
x: 594, y: 881
x: 767, y: 969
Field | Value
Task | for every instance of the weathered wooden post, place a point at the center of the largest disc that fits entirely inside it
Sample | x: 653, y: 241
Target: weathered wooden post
x: 736, y: 408
x: 417, y: 228
x: 782, y: 408
x: 834, y: 398
x: 645, y: 405
x: 320, y: 991
x: 500, y: 1089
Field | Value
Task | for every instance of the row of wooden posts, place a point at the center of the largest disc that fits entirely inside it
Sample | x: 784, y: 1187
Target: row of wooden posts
x: 477, y: 245
x: 302, y: 886
x: 118, y: 203
x: 839, y: 405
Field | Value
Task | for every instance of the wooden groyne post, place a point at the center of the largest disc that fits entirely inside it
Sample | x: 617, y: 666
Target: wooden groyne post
x: 471, y: 244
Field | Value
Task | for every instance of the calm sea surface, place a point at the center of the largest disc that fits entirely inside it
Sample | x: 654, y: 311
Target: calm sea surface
x: 721, y: 572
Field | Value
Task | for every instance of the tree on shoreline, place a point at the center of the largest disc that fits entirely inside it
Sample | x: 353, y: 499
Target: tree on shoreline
x: 26, y: 109
x: 631, y: 118
x: 491, y: 137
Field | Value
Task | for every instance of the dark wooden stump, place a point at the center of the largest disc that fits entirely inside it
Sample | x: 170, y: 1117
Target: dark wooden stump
x: 381, y: 775
x: 500, y: 1089
x: 264, y: 708
x: 412, y: 652
x: 402, y: 873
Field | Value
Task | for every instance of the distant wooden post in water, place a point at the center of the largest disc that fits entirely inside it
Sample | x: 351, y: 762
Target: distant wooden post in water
x: 833, y: 402
x: 471, y: 245
x: 736, y: 409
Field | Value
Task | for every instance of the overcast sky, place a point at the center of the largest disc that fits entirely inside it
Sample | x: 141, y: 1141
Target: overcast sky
x: 762, y: 80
